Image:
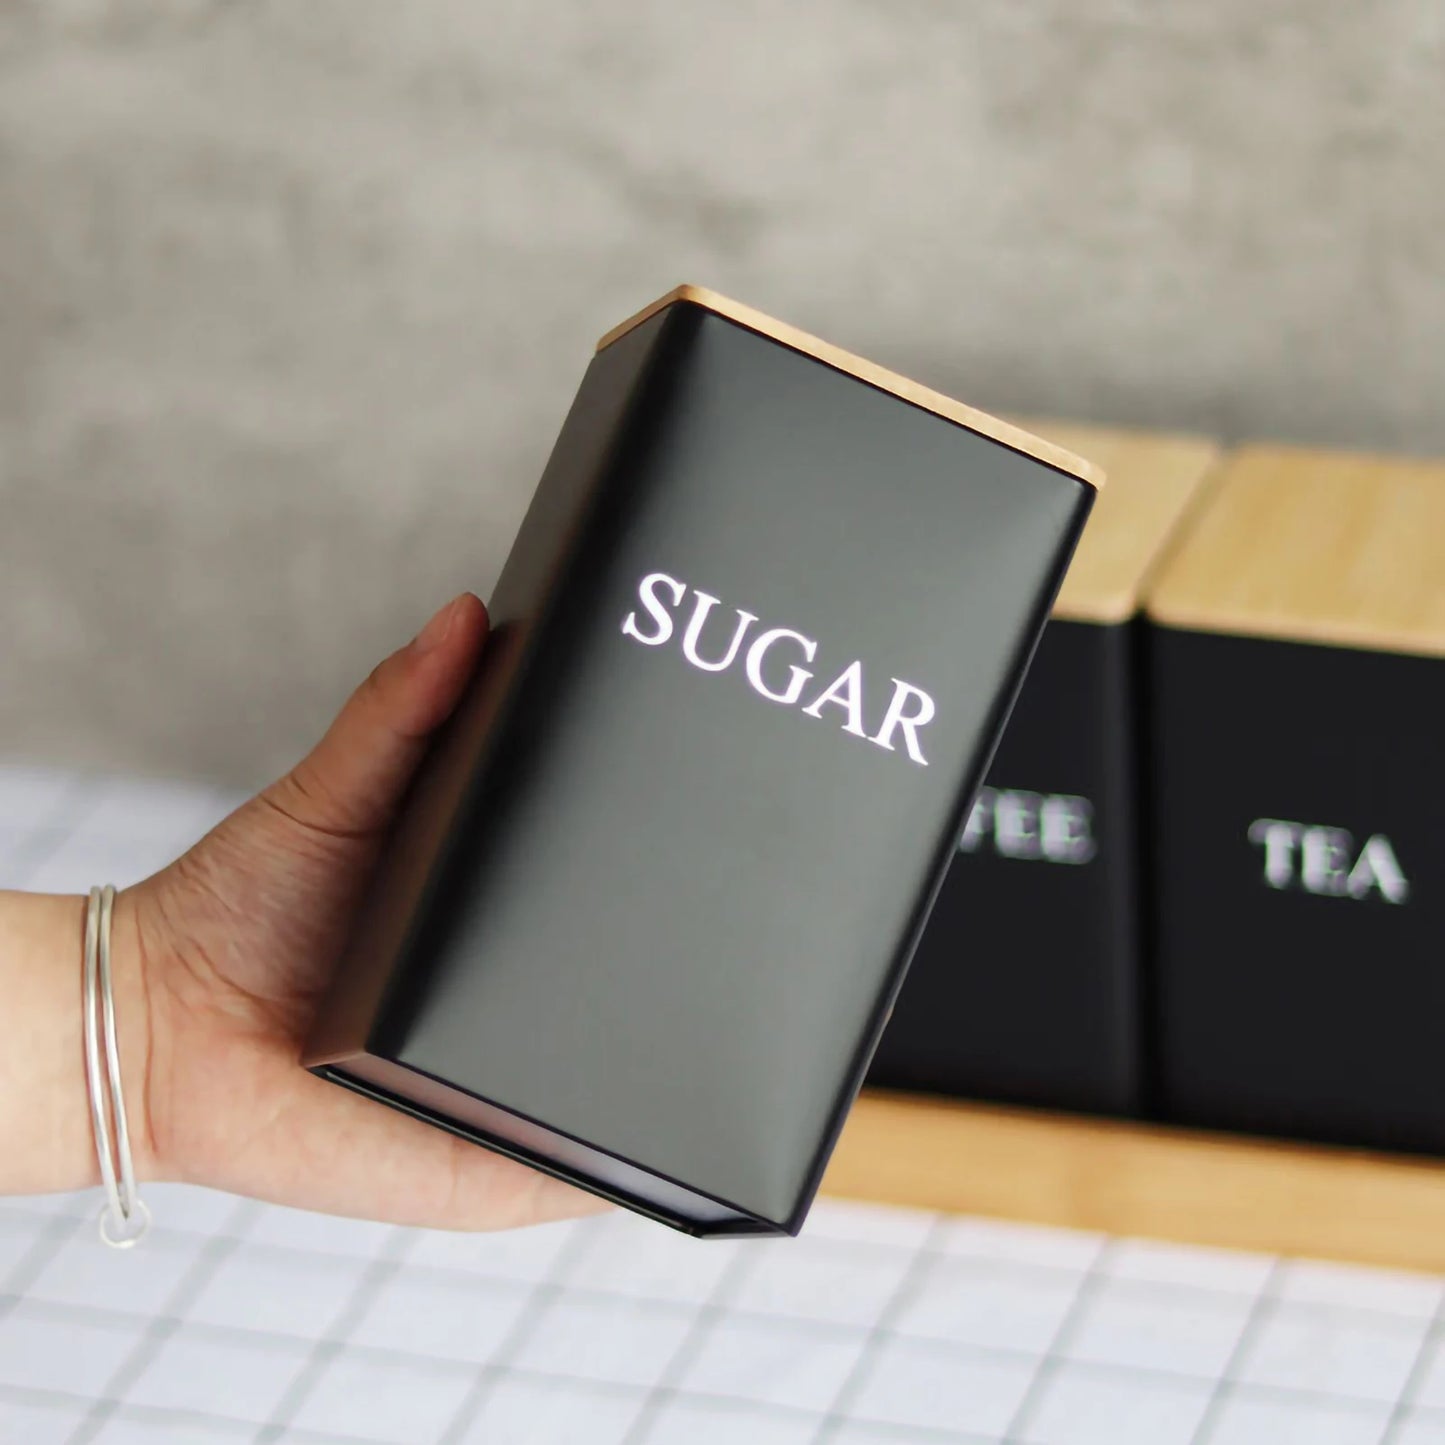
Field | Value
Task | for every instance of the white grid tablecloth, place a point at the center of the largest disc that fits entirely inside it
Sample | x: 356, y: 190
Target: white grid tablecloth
x: 243, y: 1322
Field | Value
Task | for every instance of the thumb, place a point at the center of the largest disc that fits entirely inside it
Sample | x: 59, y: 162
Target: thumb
x: 351, y: 782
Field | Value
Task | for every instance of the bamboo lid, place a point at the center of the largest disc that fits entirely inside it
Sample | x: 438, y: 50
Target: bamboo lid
x: 1154, y: 480
x: 1315, y: 546
x: 900, y: 386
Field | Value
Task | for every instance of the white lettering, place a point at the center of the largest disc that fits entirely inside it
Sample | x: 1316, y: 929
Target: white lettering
x: 1055, y: 827
x: 1066, y: 828
x: 1324, y: 861
x: 1278, y: 838
x: 909, y: 710
x: 798, y: 678
x: 976, y: 829
x: 1377, y: 867
x: 846, y: 691
x: 896, y: 717
x: 700, y: 610
x: 647, y: 591
x: 1015, y: 825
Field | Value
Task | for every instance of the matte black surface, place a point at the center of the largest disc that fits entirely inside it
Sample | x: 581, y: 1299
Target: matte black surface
x: 638, y: 904
x: 1284, y: 1011
x: 1026, y: 987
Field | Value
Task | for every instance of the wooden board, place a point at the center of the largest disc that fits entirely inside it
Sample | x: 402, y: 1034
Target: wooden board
x: 1314, y: 547
x: 1136, y: 1180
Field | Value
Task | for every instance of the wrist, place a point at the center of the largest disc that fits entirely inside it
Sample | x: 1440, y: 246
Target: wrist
x: 132, y: 968
x: 47, y: 1140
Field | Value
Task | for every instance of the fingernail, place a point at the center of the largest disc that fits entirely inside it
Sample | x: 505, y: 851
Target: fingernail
x: 435, y: 632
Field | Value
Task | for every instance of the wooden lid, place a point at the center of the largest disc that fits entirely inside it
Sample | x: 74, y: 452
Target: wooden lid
x: 1315, y: 547
x: 910, y: 391
x: 1153, y: 479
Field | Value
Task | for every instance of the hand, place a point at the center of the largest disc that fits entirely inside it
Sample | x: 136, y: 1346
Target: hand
x: 231, y: 946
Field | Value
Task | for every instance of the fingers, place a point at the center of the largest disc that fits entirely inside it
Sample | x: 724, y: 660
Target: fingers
x: 331, y: 1150
x: 353, y: 779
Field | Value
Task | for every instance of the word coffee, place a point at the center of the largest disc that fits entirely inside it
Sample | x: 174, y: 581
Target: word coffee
x: 1053, y: 827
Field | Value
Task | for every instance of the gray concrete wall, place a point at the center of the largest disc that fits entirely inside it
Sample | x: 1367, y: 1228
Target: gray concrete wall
x: 293, y: 296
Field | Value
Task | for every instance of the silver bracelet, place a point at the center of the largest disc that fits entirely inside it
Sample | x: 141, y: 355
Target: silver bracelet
x: 124, y: 1218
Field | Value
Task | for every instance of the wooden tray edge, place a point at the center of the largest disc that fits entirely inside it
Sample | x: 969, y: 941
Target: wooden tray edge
x: 1142, y: 1180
